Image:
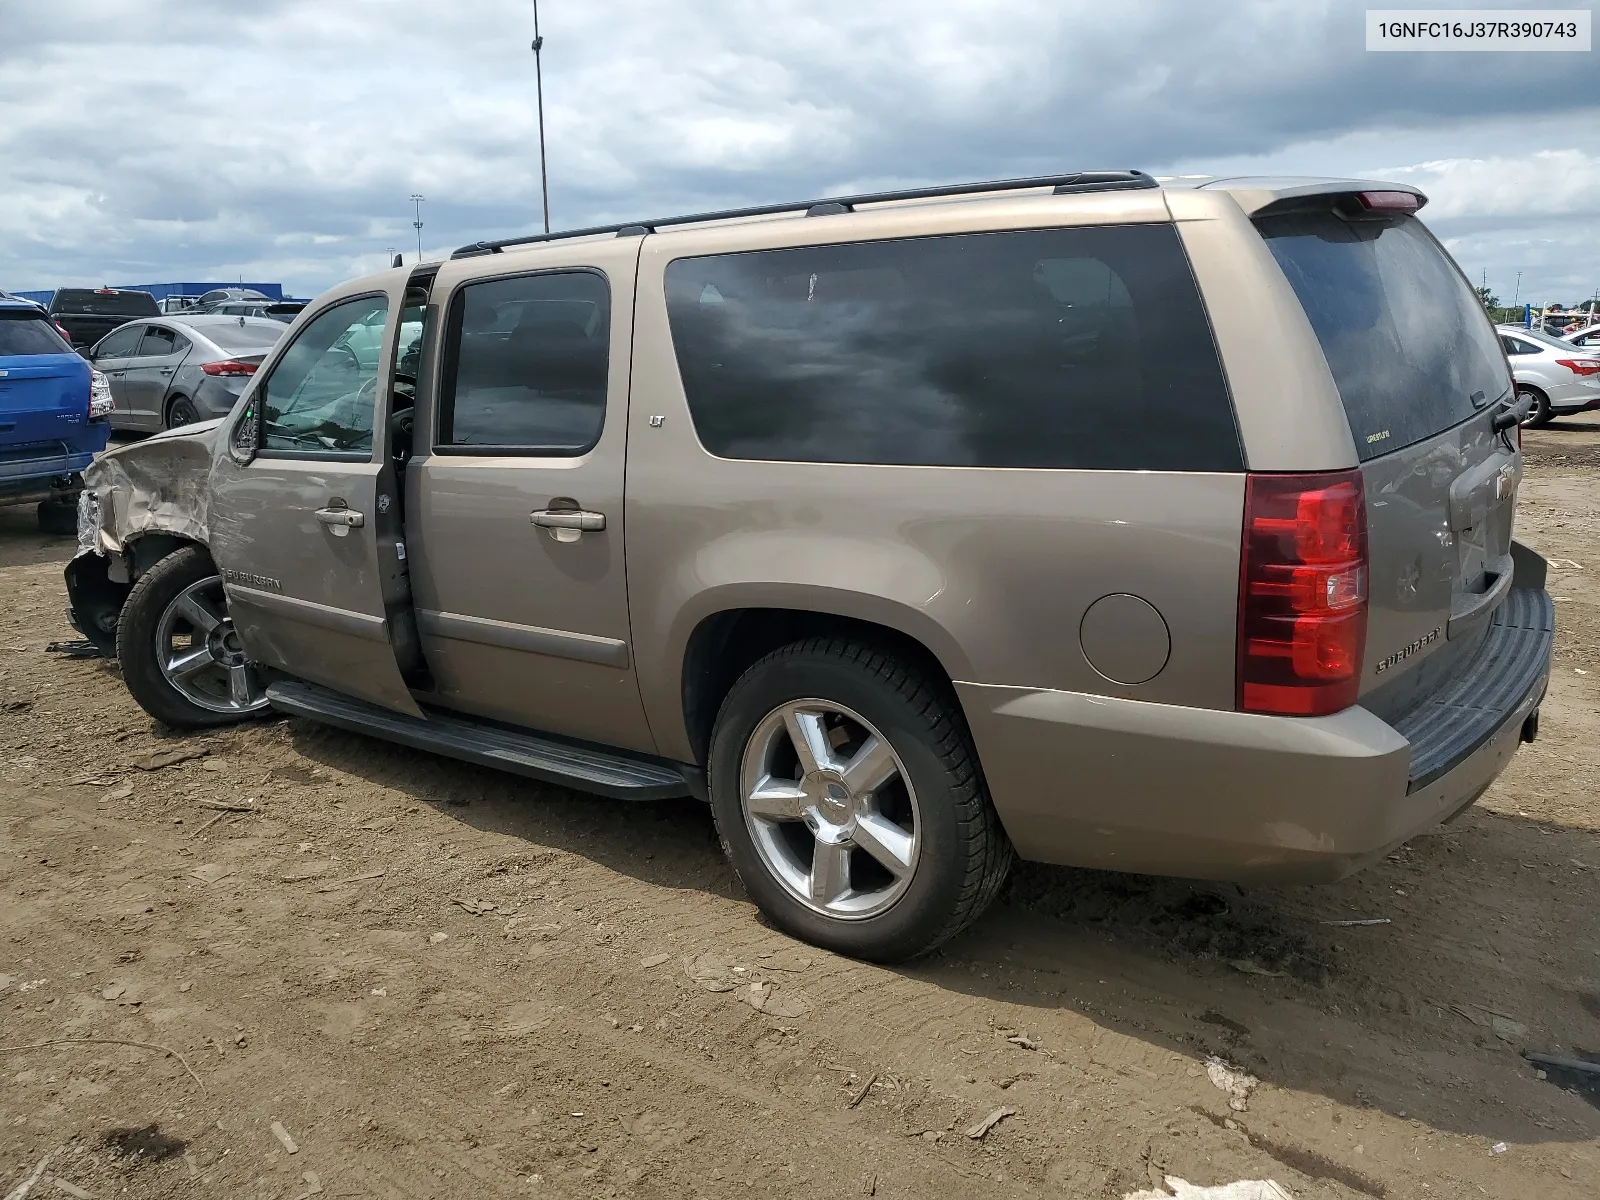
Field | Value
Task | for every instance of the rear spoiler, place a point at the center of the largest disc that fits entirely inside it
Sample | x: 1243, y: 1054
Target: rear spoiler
x: 1259, y: 196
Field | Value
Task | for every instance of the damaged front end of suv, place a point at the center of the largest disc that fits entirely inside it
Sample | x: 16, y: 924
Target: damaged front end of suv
x: 140, y: 503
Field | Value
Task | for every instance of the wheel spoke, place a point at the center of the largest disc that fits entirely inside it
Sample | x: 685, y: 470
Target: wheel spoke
x: 810, y: 738
x: 186, y: 664
x: 885, y: 841
x: 871, y: 768
x: 240, y: 686
x: 776, y: 800
x: 198, y: 613
x: 830, y: 873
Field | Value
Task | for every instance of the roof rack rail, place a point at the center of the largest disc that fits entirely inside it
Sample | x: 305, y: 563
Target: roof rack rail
x: 1078, y: 181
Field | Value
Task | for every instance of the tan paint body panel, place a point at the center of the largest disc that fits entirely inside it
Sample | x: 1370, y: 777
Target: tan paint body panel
x: 514, y: 624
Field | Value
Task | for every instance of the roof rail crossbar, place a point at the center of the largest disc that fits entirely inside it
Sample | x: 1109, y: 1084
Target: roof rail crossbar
x: 1078, y: 181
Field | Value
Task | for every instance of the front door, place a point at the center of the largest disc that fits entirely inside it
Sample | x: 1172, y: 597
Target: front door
x: 112, y: 355
x: 515, y: 513
x: 303, y: 521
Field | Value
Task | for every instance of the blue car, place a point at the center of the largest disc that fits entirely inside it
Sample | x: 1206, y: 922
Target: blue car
x: 54, y: 415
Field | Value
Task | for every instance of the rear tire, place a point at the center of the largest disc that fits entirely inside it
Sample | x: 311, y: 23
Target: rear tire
x: 181, y: 412
x: 58, y: 517
x: 915, y: 849
x: 1539, y: 410
x: 153, y: 630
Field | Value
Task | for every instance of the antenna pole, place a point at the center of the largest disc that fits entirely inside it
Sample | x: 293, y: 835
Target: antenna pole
x: 538, y: 75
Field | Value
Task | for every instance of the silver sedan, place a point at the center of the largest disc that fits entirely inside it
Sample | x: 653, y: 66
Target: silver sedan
x: 1555, y: 376
x: 176, y: 370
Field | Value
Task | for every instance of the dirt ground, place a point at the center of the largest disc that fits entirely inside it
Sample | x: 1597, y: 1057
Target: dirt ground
x: 437, y: 981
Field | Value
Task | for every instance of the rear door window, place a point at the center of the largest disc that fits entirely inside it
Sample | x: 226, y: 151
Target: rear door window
x: 526, y: 360
x: 23, y: 332
x: 1058, y: 348
x: 1407, y: 340
x: 121, y: 343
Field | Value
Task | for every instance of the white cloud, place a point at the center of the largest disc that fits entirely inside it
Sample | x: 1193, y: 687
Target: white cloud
x: 281, y: 139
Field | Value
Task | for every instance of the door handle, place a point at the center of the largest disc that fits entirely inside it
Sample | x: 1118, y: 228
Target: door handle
x: 561, y: 518
x: 166, y: 370
x: 341, y: 520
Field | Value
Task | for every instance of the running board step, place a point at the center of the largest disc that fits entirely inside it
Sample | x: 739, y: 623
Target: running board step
x: 488, y: 745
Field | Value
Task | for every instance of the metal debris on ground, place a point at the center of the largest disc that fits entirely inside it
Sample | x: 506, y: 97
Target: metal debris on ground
x: 982, y: 1128
x: 1367, y: 921
x: 1498, y: 1148
x: 1250, y: 968
x: 1023, y: 1040
x: 655, y: 960
x: 211, y: 872
x: 282, y: 1134
x: 157, y: 759
x: 74, y: 650
x: 1243, y: 1189
x: 71, y: 1189
x: 1238, y: 1084
x: 20, y: 1192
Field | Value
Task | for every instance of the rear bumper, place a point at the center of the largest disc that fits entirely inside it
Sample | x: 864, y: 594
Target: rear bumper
x: 42, y: 475
x: 1126, y: 785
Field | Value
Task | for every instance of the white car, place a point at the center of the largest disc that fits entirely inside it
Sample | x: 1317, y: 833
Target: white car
x: 1585, y: 336
x: 1558, y: 377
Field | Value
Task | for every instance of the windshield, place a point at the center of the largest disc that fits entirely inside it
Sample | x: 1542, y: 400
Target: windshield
x: 115, y: 304
x: 1409, y: 345
x: 25, y: 332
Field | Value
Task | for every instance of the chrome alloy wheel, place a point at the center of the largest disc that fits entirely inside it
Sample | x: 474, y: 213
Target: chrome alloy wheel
x: 200, y: 654
x: 830, y: 808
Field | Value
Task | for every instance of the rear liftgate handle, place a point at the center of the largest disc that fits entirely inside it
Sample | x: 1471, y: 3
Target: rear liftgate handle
x: 340, y: 518
x: 566, y: 521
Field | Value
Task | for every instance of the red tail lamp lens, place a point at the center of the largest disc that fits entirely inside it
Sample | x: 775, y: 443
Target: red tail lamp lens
x: 229, y: 366
x: 1302, y: 593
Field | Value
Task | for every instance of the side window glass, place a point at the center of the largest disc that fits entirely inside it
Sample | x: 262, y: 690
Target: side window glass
x: 985, y: 350
x: 525, y: 364
x: 321, y: 394
x: 120, y: 344
x: 158, y: 342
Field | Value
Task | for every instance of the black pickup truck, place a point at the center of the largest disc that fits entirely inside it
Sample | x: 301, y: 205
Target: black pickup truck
x: 87, y: 314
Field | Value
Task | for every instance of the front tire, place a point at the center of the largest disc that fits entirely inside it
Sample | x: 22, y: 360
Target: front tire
x: 848, y: 798
x: 180, y: 654
x: 1539, y: 411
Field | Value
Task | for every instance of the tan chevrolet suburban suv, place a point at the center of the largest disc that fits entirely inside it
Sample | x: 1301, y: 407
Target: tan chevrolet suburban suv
x: 1143, y: 525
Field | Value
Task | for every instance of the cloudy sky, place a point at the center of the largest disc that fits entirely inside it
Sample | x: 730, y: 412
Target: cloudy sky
x: 156, y: 140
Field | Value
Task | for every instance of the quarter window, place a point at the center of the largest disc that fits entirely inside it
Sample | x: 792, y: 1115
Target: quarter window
x: 160, y: 343
x: 321, y: 395
x: 1057, y: 348
x: 525, y: 364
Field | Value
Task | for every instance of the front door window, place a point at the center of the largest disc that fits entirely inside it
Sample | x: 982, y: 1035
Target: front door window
x: 321, y: 395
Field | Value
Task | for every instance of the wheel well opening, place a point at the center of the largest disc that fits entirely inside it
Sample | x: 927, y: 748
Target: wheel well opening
x: 725, y: 645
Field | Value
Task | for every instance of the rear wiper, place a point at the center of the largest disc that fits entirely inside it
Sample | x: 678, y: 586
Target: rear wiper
x: 1513, y: 414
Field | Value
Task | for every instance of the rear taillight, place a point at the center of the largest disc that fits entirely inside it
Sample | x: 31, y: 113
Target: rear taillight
x: 1389, y: 201
x: 1302, y: 593
x: 61, y: 329
x: 1580, y: 366
x: 229, y: 366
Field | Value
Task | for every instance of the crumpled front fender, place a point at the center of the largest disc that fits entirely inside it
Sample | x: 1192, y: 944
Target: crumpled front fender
x: 159, y: 485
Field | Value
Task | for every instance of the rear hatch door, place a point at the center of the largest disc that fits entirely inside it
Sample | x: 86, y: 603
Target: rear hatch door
x: 44, y: 386
x: 1422, y: 376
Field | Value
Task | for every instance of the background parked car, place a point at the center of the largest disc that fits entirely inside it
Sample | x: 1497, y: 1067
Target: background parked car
x: 1586, y: 336
x: 177, y: 370
x: 276, y: 310
x: 1557, y: 376
x: 178, y: 303
x: 87, y: 314
x: 53, y: 413
x: 210, y: 300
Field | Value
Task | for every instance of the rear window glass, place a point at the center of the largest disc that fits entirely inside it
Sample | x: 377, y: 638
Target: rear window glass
x: 1064, y: 348
x: 244, y: 337
x: 1409, y: 345
x: 117, y: 304
x: 29, y: 333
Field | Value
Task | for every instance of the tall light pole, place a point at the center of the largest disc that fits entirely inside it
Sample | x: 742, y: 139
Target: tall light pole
x: 416, y: 223
x: 538, y: 75
x: 1517, y: 292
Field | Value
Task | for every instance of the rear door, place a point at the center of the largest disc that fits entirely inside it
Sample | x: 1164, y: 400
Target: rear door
x: 149, y: 374
x: 516, y: 515
x: 299, y: 504
x: 1421, y: 374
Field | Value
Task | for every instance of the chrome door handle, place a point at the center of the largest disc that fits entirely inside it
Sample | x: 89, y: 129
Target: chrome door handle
x: 341, y: 520
x: 561, y: 518
x: 166, y: 370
